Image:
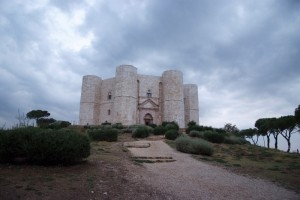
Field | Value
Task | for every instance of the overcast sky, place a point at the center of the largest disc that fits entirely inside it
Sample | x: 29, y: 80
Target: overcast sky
x: 243, y: 55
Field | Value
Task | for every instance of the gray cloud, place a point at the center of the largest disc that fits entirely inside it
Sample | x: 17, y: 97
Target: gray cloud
x: 244, y: 56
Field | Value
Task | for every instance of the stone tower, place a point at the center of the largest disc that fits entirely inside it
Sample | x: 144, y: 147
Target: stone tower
x: 125, y: 95
x: 131, y: 98
x: 191, y: 105
x: 90, y: 100
x: 173, y: 105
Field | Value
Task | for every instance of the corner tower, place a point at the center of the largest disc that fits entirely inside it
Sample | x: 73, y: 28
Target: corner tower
x: 191, y: 104
x: 125, y: 97
x: 172, y: 100
x: 90, y: 100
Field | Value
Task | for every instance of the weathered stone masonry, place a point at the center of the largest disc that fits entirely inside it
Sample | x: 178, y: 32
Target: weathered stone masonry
x: 130, y: 98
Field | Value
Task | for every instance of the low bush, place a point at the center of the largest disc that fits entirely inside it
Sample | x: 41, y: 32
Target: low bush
x: 197, y: 134
x: 193, y: 146
x: 232, y: 139
x: 43, y: 146
x: 16, y: 142
x: 196, y: 127
x: 59, y: 124
x: 213, y: 136
x: 141, y: 132
x: 44, y: 122
x: 118, y: 126
x: 106, y: 134
x: 170, y: 125
x: 171, y: 134
x: 159, y: 130
x: 152, y: 125
x: 106, y: 123
x: 62, y: 146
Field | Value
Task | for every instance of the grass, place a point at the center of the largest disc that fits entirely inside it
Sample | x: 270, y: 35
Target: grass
x: 270, y: 164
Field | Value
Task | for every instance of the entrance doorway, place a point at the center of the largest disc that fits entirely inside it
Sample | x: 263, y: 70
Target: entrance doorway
x: 148, y: 119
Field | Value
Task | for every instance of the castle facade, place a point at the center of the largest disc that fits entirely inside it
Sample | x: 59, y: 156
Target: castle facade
x: 131, y: 98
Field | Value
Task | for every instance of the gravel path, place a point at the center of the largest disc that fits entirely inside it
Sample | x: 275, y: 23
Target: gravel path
x: 187, y: 178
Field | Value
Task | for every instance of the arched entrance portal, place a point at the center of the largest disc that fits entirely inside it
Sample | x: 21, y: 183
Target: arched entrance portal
x: 148, y: 119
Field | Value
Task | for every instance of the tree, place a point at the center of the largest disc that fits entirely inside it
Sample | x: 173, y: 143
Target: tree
x: 250, y: 133
x: 264, y: 127
x: 297, y: 117
x: 37, y: 115
x: 287, y: 126
x: 229, y: 128
x: 44, y: 122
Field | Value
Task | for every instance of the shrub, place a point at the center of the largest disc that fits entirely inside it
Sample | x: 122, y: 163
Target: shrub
x: 171, y: 134
x: 194, y: 146
x: 152, y: 125
x: 17, y: 142
x: 44, y: 122
x: 141, y: 132
x: 191, y: 123
x: 43, y: 146
x: 59, y: 124
x: 213, y: 136
x: 232, y: 139
x: 197, y: 128
x: 106, y: 123
x: 118, y: 126
x: 197, y: 134
x: 58, y: 146
x: 170, y: 125
x: 106, y: 134
x: 159, y: 130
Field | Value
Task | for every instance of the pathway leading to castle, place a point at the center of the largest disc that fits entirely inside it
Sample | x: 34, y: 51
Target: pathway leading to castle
x: 187, y: 178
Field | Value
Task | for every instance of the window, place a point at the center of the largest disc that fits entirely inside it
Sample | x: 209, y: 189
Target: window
x: 109, y: 96
x: 149, y: 94
x: 108, y: 112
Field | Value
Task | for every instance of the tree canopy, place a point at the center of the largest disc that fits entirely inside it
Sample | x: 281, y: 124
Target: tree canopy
x: 36, y: 114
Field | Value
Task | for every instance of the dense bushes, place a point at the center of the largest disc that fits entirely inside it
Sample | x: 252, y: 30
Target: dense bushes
x: 141, y: 132
x: 43, y: 146
x: 118, y: 126
x: 194, y: 146
x: 63, y: 146
x: 231, y: 139
x: 198, y: 134
x: 170, y: 125
x: 171, y: 134
x: 59, y: 124
x: 213, y: 136
x: 105, y: 134
x: 159, y: 130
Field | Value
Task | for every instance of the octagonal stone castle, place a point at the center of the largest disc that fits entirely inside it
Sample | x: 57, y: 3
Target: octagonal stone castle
x: 131, y: 98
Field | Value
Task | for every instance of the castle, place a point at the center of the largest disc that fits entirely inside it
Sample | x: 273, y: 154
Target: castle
x: 131, y: 98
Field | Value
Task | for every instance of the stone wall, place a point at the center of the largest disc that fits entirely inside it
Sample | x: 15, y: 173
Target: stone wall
x: 148, y: 84
x: 107, y: 100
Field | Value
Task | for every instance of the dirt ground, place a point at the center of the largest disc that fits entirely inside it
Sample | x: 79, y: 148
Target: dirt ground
x: 110, y: 172
x: 107, y: 174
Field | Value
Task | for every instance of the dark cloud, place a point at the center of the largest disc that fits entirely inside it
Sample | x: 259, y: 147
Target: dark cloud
x: 244, y: 55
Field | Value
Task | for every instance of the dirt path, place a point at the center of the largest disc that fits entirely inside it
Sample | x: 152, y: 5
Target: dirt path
x: 187, y: 178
